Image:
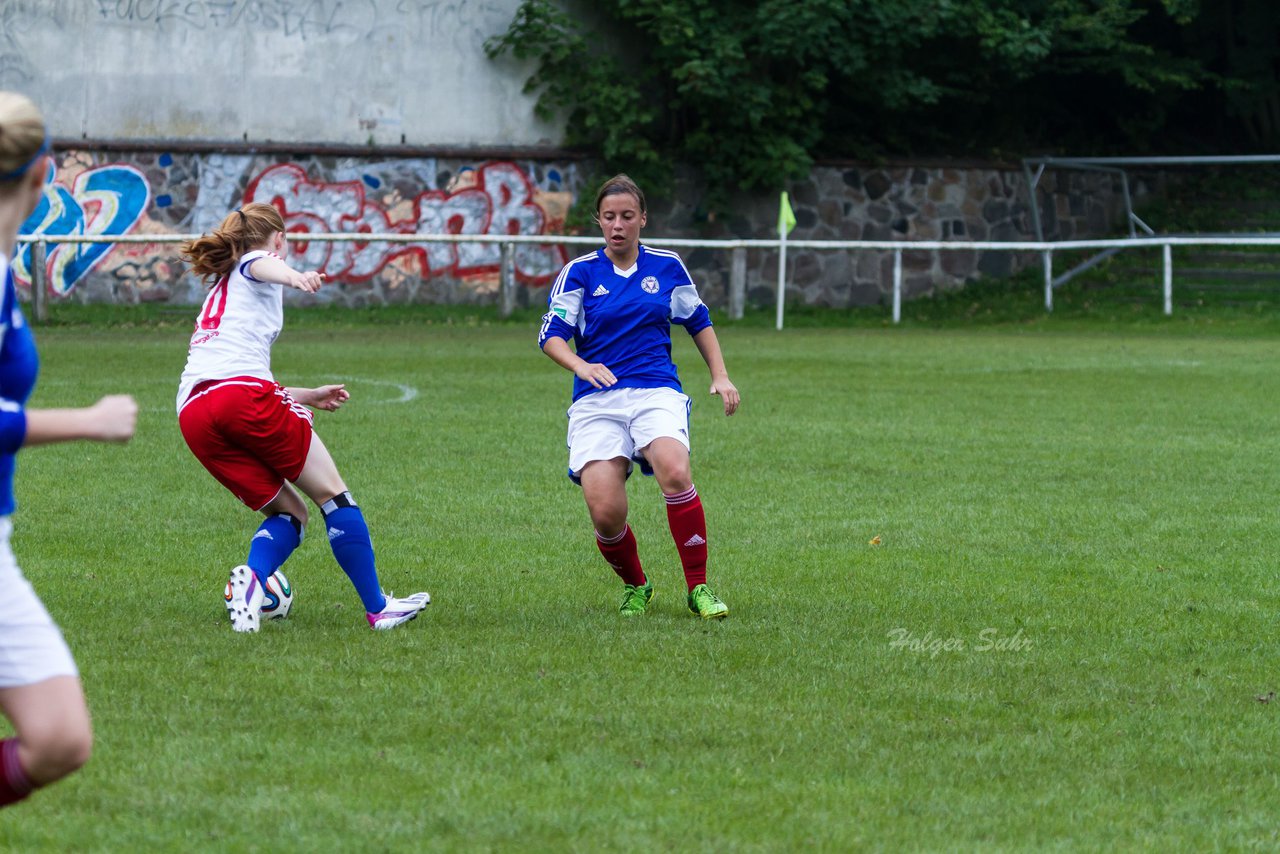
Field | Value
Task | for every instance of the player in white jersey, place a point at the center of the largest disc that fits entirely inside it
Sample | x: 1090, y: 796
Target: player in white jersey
x: 255, y: 436
x: 40, y: 690
x: 618, y: 304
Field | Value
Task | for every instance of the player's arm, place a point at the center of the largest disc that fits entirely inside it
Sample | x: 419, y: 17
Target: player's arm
x: 564, y: 311
x: 688, y: 310
x: 709, y: 346
x: 269, y: 268
x: 111, y: 419
x: 326, y: 397
x: 592, y: 372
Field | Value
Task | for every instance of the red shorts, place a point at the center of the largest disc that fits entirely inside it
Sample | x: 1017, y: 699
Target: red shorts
x: 249, y: 433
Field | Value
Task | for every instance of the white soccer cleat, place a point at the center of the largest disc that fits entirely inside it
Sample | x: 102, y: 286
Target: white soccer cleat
x: 244, y: 600
x: 398, y: 611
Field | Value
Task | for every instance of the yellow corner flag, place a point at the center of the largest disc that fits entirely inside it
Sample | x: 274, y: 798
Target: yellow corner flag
x: 786, y: 218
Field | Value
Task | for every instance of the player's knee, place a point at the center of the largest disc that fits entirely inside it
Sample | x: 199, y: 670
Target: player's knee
x: 55, y: 753
x: 609, y: 520
x: 674, y: 478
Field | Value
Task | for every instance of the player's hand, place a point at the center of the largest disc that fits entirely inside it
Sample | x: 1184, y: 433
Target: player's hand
x: 728, y: 392
x: 595, y: 373
x: 329, y: 397
x: 114, y: 418
x: 310, y: 281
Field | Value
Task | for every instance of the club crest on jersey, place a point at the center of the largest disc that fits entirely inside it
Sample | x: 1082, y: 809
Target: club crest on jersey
x: 649, y: 285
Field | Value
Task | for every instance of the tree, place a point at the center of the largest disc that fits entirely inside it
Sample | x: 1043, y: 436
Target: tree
x: 750, y: 93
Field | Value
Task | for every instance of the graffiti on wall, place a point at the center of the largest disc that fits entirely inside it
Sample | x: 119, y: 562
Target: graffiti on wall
x: 99, y: 201
x: 496, y: 199
x: 171, y: 195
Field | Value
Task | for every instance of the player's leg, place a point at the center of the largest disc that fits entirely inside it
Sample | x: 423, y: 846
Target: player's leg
x: 664, y: 427
x: 599, y: 461
x: 279, y: 534
x: 350, y: 541
x: 39, y: 689
x: 244, y: 434
x: 52, y: 735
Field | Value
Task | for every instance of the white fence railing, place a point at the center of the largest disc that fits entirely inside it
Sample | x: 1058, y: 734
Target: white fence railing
x: 738, y: 267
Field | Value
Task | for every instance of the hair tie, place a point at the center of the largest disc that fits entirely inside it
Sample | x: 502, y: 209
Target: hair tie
x: 244, y: 223
x: 22, y: 170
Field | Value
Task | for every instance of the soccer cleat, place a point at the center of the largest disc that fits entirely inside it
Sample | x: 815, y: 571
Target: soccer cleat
x: 244, y: 599
x: 705, y: 604
x: 398, y: 611
x: 635, y: 599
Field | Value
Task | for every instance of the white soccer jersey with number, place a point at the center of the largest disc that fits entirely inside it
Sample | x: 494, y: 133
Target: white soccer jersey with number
x: 239, y: 321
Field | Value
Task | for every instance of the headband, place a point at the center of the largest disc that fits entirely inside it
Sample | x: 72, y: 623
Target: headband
x: 22, y: 170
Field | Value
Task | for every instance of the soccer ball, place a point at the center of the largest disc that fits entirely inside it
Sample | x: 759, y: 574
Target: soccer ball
x: 277, y: 596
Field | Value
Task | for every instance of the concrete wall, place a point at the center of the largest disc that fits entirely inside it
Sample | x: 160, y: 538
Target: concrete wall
x: 316, y: 71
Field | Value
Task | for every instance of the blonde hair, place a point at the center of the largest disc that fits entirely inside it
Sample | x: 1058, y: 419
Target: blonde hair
x: 620, y: 184
x: 213, y: 256
x: 22, y: 137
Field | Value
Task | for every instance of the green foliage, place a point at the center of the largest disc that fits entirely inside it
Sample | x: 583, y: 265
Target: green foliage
x: 750, y: 93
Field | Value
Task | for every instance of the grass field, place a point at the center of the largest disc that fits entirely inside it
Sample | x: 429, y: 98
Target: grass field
x: 1064, y: 638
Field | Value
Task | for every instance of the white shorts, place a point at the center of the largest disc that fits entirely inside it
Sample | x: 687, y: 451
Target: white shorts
x: 621, y: 422
x: 31, y: 647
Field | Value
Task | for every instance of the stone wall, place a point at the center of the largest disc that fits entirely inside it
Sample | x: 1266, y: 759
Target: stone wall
x: 903, y: 202
x: 159, y: 192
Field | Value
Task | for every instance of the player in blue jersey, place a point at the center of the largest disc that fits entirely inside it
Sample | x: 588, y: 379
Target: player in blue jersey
x: 40, y: 689
x: 617, y: 304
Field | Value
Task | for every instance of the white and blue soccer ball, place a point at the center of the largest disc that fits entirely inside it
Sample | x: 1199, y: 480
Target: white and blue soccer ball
x: 277, y: 596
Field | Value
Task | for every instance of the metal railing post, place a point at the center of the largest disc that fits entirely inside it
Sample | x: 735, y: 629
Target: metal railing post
x: 39, y: 282
x: 897, y: 285
x: 737, y: 283
x: 1046, y: 257
x: 1168, y: 279
x: 507, y: 281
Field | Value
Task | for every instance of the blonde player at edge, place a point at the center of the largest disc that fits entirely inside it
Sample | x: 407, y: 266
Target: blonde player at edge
x: 40, y: 691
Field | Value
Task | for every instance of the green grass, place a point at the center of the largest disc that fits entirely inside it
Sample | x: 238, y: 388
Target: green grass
x: 1094, y: 489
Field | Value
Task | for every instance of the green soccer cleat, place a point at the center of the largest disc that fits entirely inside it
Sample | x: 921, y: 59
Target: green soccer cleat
x: 705, y: 604
x: 635, y: 599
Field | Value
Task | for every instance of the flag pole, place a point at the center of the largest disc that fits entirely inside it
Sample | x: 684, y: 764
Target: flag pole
x: 782, y: 271
x: 786, y: 222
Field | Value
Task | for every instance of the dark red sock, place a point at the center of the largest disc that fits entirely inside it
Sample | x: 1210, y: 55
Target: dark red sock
x: 623, y: 555
x: 689, y: 530
x: 14, y: 785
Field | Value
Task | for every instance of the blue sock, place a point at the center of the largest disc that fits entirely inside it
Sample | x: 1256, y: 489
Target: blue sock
x: 349, y: 539
x: 271, y: 546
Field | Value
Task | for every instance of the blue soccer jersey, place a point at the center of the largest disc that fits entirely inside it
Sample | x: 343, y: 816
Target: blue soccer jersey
x: 18, y: 367
x: 622, y: 318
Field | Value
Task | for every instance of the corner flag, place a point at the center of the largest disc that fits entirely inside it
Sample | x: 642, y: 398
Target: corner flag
x: 786, y: 218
